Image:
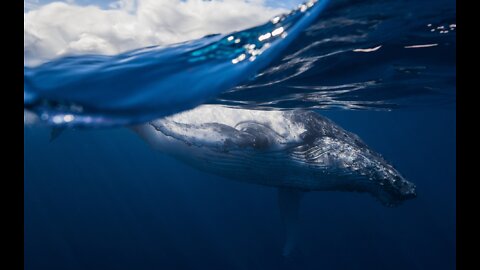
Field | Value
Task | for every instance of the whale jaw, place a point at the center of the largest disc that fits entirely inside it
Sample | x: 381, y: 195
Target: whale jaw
x: 393, y: 197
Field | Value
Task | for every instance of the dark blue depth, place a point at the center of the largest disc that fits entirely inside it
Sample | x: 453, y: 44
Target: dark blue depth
x: 105, y: 200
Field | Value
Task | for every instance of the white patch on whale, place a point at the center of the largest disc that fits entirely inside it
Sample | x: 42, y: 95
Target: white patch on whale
x: 287, y: 129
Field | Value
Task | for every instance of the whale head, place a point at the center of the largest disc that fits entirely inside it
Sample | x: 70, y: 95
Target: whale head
x: 395, y: 188
x: 353, y: 166
x: 388, y: 185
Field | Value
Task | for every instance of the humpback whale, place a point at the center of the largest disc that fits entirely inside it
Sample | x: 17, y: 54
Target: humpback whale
x: 294, y: 151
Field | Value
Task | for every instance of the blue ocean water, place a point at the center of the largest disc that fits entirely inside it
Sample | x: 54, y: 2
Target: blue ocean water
x: 103, y: 199
x: 148, y: 83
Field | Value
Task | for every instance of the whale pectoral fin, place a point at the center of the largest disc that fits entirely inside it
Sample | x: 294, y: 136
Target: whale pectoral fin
x: 288, y: 203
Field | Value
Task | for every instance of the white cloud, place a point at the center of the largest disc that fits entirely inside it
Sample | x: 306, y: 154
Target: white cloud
x: 60, y: 28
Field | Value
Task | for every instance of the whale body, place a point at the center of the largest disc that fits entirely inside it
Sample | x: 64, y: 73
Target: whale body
x: 294, y: 151
x: 288, y: 149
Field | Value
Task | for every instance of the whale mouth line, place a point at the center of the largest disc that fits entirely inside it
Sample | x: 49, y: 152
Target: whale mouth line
x: 391, y: 197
